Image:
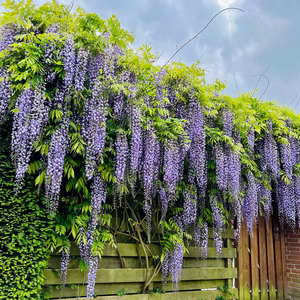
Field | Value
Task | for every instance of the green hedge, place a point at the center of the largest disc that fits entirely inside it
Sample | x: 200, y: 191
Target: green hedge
x: 24, y: 229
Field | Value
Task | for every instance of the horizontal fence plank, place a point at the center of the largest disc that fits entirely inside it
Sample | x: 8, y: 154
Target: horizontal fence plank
x: 194, y: 295
x: 138, y: 275
x: 130, y: 250
x: 79, y: 290
x: 134, y: 263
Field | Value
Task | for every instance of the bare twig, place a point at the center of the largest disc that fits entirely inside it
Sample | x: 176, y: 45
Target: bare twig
x: 259, y: 79
x: 195, y: 36
x: 268, y: 83
x: 236, y: 85
x: 294, y: 99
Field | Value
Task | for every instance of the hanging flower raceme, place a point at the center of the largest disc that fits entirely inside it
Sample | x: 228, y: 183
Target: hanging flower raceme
x: 197, y: 147
x: 149, y: 158
x: 55, y: 164
x: 5, y: 94
x: 287, y: 159
x: 29, y: 120
x: 201, y: 238
x: 96, y: 128
x: 221, y: 175
x: 80, y: 69
x: 285, y: 195
x: 69, y: 61
x: 93, y: 265
x: 8, y: 34
x: 265, y: 197
x: 189, y: 208
x: 121, y: 159
x: 227, y: 122
x: 172, y: 265
x: 251, y: 138
x: 136, y: 148
x: 270, y: 152
x: 250, y: 202
x: 297, y: 197
x: 65, y: 256
x: 217, y: 225
x: 171, y: 165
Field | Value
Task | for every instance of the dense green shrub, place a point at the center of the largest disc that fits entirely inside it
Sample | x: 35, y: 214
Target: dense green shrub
x: 24, y: 228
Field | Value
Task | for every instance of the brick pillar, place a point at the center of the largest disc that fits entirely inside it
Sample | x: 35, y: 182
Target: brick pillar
x: 292, y: 248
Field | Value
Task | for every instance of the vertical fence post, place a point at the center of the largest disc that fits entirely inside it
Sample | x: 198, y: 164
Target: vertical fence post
x: 263, y: 268
x: 254, y: 264
x: 271, y: 261
x: 244, y: 264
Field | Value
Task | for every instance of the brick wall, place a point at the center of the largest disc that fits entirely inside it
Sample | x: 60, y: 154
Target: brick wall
x: 292, y: 248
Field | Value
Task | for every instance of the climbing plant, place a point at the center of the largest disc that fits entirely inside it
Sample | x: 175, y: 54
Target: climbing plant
x: 120, y: 146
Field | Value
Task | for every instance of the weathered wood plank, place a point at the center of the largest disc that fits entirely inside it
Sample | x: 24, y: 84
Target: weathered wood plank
x: 244, y: 264
x: 254, y: 264
x: 134, y: 263
x: 278, y: 260
x: 282, y: 243
x: 263, y: 258
x: 271, y: 261
x: 138, y: 275
x: 194, y: 295
x: 79, y: 290
x: 130, y: 250
x: 191, y: 285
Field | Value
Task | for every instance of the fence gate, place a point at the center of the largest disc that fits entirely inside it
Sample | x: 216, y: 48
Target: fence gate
x: 261, y: 262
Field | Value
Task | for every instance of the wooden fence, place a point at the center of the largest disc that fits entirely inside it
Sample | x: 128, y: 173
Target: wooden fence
x: 261, y: 262
x: 123, y: 270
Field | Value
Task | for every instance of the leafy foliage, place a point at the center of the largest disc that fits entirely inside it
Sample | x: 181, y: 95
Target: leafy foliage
x: 24, y: 231
x: 102, y: 126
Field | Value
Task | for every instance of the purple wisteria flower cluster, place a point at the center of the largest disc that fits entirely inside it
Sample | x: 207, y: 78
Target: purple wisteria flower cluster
x: 129, y: 145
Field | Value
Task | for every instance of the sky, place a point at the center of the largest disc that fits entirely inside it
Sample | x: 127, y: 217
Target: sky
x: 237, y: 47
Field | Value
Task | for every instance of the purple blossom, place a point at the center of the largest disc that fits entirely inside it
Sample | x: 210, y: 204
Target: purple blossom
x: 98, y: 196
x: 136, y: 142
x: 171, y: 165
x: 5, y: 94
x: 93, y: 266
x: 65, y: 256
x: 8, y: 34
x: 227, y: 122
x: 197, y: 147
x: 286, y: 201
x: 55, y: 164
x: 250, y: 203
x: 265, y: 197
x: 287, y: 159
x: 173, y: 265
x: 297, y: 197
x: 96, y: 63
x: 217, y: 225
x: 151, y: 144
x: 221, y: 175
x: 189, y: 208
x: 270, y: 152
x: 29, y: 120
x: 95, y: 129
x: 121, y: 159
x: 164, y: 200
x: 251, y: 138
x: 69, y: 61
x: 80, y: 69
x: 201, y: 238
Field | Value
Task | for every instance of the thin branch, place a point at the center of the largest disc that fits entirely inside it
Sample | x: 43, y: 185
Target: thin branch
x: 294, y: 99
x: 236, y: 85
x: 268, y: 83
x: 191, y: 39
x: 259, y: 79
